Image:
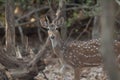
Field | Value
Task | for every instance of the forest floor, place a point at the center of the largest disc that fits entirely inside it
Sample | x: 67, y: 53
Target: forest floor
x: 52, y: 72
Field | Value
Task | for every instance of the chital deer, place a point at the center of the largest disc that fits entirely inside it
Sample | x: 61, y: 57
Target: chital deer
x: 76, y: 54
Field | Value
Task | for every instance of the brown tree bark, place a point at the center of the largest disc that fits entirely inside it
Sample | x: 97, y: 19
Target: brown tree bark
x: 10, y: 27
x: 107, y: 38
x: 8, y: 61
x: 64, y: 28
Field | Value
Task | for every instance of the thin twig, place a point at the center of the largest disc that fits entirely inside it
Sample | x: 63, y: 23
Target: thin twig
x: 69, y: 36
x: 21, y: 33
x: 39, y: 54
x: 31, y: 12
x: 49, y: 3
x: 39, y: 28
x: 44, y: 75
x: 22, y: 24
x: 85, y: 30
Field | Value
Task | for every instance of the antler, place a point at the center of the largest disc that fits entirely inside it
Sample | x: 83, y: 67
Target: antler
x: 45, y: 22
x: 58, y: 20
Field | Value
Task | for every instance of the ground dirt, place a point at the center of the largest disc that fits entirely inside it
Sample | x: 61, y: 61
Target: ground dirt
x: 52, y: 72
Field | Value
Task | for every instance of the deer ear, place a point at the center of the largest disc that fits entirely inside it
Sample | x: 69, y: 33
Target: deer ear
x: 59, y: 22
x: 44, y: 22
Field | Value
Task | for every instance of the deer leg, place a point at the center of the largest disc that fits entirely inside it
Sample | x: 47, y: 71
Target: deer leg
x: 77, y: 73
x: 62, y: 71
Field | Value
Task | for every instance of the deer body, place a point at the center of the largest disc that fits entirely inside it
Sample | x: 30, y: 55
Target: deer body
x: 83, y: 54
x: 76, y: 54
x: 79, y: 54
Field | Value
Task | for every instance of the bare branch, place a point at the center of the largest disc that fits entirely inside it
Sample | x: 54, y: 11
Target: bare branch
x: 85, y: 30
x: 31, y: 12
x: 118, y: 2
x: 39, y: 54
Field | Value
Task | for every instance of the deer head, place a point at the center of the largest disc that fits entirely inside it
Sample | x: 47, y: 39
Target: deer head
x: 52, y: 28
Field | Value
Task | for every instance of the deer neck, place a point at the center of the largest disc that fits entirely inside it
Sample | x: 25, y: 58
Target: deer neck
x: 57, y: 46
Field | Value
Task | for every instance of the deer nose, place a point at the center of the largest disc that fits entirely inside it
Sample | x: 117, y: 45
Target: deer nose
x: 52, y: 37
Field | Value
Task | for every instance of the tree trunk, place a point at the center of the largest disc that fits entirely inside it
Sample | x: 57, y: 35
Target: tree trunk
x: 107, y: 30
x: 10, y: 27
x: 64, y: 28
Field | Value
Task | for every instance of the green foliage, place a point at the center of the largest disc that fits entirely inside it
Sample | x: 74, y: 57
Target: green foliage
x: 2, y: 2
x: 28, y: 4
x: 89, y: 2
x: 76, y: 30
x: 86, y: 2
x: 71, y: 19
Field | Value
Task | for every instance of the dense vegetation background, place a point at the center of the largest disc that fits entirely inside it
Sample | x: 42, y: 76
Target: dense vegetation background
x: 21, y: 32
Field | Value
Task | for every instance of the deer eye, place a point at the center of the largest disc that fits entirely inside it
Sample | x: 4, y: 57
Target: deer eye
x: 56, y: 28
x: 48, y: 28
